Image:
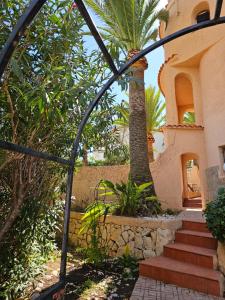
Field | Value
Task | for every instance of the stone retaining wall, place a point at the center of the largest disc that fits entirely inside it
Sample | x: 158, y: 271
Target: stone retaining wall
x: 144, y: 236
x: 221, y: 257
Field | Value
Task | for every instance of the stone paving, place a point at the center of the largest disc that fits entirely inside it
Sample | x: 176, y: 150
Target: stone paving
x: 149, y: 289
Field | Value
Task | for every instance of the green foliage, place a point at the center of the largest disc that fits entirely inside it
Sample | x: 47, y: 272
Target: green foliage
x: 85, y: 286
x: 116, y: 154
x: 189, y: 118
x: 215, y: 216
x: 45, y: 90
x: 129, y: 264
x: 93, y: 213
x: 29, y: 244
x: 131, y: 198
x: 123, y: 112
x: 171, y: 212
x: 129, y: 24
x: 51, y: 80
x: 93, y: 223
x: 155, y: 111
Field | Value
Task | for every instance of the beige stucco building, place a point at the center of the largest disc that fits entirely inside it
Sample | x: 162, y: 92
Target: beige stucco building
x: 192, y: 79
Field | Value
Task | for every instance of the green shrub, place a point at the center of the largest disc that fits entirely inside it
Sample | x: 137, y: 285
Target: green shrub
x: 215, y: 216
x: 28, y: 246
x: 131, y: 198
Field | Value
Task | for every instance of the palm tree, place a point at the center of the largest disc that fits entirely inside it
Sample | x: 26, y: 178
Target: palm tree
x: 155, y: 116
x: 189, y: 118
x: 129, y: 25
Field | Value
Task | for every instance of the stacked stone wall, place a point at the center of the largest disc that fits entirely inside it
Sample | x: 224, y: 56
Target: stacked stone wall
x: 145, y: 237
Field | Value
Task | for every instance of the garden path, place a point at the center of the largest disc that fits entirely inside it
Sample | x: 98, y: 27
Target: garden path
x: 150, y: 289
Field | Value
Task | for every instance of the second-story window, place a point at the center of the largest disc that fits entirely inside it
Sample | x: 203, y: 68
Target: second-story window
x: 203, y: 16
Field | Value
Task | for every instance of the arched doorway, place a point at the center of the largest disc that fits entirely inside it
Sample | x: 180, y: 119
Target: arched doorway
x: 191, y: 181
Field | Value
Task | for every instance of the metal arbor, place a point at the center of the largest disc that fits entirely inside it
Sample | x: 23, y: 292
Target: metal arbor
x: 5, y: 56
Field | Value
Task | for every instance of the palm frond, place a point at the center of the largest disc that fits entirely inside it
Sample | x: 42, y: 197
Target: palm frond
x: 131, y: 23
x: 155, y: 111
x: 189, y: 118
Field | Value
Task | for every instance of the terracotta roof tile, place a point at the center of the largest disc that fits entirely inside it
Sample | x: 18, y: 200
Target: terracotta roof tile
x: 161, y: 69
x: 183, y: 126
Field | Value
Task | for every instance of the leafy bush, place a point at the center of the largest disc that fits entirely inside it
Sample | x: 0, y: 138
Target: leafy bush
x: 131, y: 198
x: 28, y: 245
x: 45, y: 90
x: 215, y: 216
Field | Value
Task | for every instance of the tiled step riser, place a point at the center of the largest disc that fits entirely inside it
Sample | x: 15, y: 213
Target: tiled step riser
x: 192, y: 201
x: 199, y: 241
x: 192, y: 258
x: 190, y: 205
x: 183, y: 280
x: 189, y: 262
x: 195, y: 226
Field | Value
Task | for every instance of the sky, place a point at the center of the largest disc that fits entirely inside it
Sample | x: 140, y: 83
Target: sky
x: 155, y: 60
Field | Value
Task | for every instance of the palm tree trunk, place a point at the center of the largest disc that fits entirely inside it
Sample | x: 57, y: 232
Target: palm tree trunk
x: 139, y: 163
x: 151, y: 140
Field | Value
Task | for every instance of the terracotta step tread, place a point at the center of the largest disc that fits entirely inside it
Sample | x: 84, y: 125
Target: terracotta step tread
x: 192, y: 249
x: 196, y: 233
x: 181, y: 267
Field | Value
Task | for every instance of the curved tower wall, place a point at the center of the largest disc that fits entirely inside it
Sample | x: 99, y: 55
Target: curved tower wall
x: 192, y: 79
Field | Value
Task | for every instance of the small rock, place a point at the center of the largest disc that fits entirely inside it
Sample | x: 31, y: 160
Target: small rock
x: 125, y: 236
x: 55, y: 273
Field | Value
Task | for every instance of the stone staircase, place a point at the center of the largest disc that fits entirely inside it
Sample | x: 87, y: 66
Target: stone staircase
x: 189, y: 262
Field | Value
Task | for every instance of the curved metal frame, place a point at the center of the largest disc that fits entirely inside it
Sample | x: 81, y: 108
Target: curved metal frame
x: 5, y: 55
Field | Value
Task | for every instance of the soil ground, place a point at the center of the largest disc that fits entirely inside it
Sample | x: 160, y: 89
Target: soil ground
x: 111, y: 280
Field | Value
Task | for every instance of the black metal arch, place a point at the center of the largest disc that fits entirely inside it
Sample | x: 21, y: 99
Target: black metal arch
x: 7, y: 52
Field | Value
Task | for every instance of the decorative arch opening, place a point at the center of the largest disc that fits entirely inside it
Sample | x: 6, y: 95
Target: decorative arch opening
x: 201, y: 12
x: 184, y: 99
x: 191, y: 181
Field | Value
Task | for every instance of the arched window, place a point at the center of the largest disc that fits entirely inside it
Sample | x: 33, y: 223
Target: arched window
x: 201, y: 12
x: 184, y: 99
x: 203, y: 16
